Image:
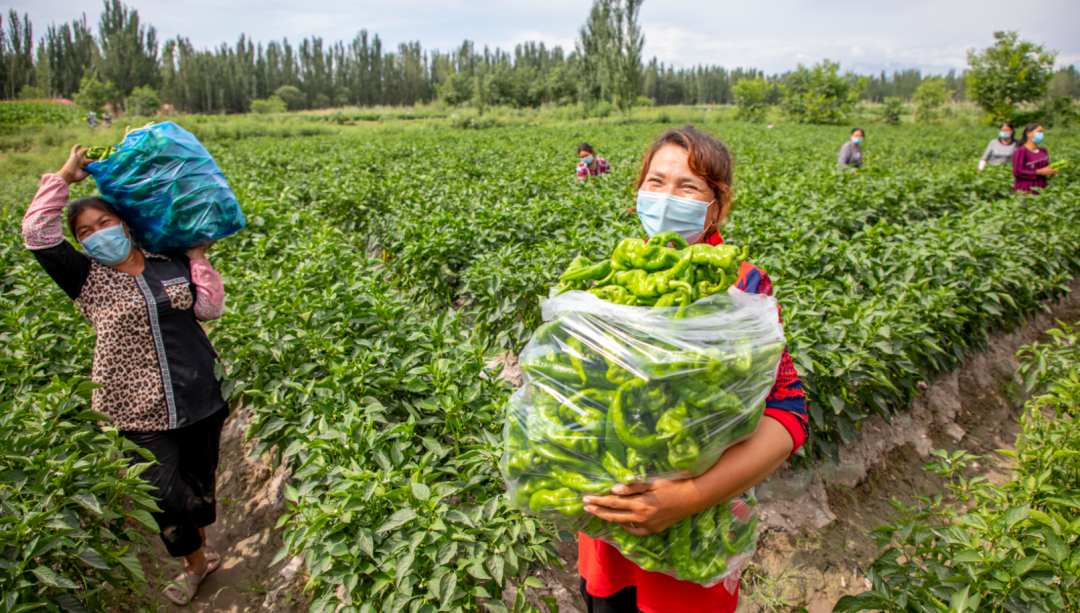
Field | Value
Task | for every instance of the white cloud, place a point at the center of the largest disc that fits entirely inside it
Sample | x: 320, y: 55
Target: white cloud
x: 772, y: 35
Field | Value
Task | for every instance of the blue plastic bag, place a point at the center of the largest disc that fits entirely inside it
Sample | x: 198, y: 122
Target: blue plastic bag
x: 169, y: 189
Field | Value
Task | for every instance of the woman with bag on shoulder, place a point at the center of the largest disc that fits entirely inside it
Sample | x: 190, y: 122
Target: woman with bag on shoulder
x: 152, y: 358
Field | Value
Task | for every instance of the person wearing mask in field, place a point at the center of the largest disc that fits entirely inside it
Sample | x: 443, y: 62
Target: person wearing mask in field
x: 1000, y: 149
x: 590, y: 165
x: 685, y: 186
x: 152, y: 359
x: 1031, y: 163
x: 851, y: 152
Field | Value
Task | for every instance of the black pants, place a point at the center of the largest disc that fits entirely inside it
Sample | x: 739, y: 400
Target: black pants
x: 184, y: 479
x: 623, y: 601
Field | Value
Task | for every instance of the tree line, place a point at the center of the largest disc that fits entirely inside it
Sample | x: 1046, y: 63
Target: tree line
x: 124, y: 63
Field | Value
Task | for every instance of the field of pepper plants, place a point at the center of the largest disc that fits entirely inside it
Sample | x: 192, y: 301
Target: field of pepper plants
x: 384, y: 267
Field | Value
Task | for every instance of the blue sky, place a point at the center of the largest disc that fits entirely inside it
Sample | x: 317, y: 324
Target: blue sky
x: 773, y: 35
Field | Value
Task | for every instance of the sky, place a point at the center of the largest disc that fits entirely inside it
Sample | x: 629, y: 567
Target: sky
x: 772, y: 35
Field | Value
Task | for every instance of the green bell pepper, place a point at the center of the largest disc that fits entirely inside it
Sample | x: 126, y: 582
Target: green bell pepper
x: 580, y: 482
x: 663, y: 238
x: 589, y: 271
x: 632, y: 435
x: 530, y: 484
x: 616, y: 469
x: 563, y: 500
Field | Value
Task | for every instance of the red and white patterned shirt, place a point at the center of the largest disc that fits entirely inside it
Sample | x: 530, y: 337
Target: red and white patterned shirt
x: 602, y: 167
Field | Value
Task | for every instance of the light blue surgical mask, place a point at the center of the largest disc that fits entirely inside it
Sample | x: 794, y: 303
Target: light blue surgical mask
x: 1037, y: 138
x: 856, y: 139
x: 109, y: 246
x: 667, y: 213
x: 588, y: 160
x: 1004, y: 135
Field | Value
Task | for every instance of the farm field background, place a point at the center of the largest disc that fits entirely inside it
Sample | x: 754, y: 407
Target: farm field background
x: 385, y: 265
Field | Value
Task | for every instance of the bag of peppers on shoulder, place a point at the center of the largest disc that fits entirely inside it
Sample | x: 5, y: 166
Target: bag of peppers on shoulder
x: 646, y: 368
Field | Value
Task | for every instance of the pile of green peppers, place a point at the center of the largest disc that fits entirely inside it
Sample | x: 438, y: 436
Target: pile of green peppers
x: 605, y: 409
x: 649, y: 273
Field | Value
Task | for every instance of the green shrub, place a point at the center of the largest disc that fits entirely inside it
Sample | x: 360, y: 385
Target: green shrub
x: 30, y: 92
x: 273, y: 104
x: 929, y: 98
x: 891, y: 109
x: 293, y: 98
x: 820, y: 94
x: 93, y: 95
x: 751, y: 96
x: 144, y: 101
x: 1014, y: 547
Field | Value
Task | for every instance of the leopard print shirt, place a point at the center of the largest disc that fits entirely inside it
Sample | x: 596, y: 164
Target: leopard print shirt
x: 125, y: 360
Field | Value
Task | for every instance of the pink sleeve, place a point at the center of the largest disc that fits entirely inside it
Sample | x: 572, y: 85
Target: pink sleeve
x: 209, y: 291
x: 42, y: 225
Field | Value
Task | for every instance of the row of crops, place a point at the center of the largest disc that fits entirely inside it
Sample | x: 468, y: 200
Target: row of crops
x: 379, y: 273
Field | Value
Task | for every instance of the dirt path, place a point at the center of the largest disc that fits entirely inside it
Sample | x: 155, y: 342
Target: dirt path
x: 249, y: 504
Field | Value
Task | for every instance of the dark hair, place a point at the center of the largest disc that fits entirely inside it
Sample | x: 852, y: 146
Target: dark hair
x: 1024, y: 135
x: 707, y: 157
x: 586, y: 147
x: 1007, y: 124
x: 854, y: 130
x: 98, y: 204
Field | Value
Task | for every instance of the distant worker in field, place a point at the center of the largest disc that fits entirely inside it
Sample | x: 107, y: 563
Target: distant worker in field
x: 152, y: 358
x: 1031, y: 163
x: 590, y: 165
x: 851, y: 152
x: 1001, y: 149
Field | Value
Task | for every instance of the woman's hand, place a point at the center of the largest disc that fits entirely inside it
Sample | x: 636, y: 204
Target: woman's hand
x: 74, y: 169
x: 654, y: 507
x: 199, y: 252
x: 649, y: 507
x: 1046, y: 172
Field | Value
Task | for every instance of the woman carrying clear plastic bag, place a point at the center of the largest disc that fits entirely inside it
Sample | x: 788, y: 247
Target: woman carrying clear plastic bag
x: 685, y: 187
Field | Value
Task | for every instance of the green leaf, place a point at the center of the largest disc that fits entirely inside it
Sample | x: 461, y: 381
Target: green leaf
x: 69, y: 603
x: 88, y: 501
x: 421, y: 492
x: 1015, y: 515
x: 92, y: 558
x: 532, y: 581
x: 134, y: 569
x: 1023, y: 566
x: 364, y: 542
x: 552, y: 604
x: 958, y: 603
x: 91, y: 415
x: 47, y: 576
x: 398, y: 519
x: 447, y: 585
x: 146, y: 519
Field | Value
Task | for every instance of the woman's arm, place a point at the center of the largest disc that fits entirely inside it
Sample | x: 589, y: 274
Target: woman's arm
x: 1018, y: 166
x: 43, y: 227
x: 843, y: 158
x: 209, y: 290
x: 655, y: 507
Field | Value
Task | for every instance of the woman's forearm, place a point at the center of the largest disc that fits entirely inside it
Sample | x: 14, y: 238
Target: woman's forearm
x: 42, y: 225
x: 744, y: 465
x: 209, y: 290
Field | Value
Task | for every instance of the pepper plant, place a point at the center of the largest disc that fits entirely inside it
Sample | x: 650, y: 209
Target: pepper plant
x: 1014, y: 547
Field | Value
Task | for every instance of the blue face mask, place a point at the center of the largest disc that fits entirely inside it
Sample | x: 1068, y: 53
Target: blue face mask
x: 1037, y: 138
x: 1004, y: 135
x: 666, y: 213
x: 109, y: 246
x: 588, y: 160
x: 856, y: 139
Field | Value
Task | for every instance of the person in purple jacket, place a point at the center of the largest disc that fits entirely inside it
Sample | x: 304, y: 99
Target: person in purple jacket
x: 1031, y: 163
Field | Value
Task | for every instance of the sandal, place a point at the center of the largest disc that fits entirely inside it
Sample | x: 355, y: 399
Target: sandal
x: 183, y: 590
x: 213, y: 560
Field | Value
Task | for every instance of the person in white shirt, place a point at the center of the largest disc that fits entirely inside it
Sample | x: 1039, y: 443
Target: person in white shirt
x: 1001, y: 149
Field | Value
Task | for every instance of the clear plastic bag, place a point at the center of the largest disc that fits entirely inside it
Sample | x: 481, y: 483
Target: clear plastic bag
x: 615, y: 394
x: 169, y: 189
